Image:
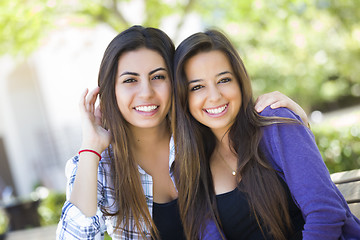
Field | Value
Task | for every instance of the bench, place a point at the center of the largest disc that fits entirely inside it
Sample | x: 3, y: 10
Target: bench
x: 348, y: 183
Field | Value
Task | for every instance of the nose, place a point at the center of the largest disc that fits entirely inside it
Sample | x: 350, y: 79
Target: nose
x: 146, y: 89
x: 214, y: 93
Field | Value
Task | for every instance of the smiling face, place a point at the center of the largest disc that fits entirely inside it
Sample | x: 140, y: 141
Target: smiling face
x: 214, y: 92
x: 143, y: 88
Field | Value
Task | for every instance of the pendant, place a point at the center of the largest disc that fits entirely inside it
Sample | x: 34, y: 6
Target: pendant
x: 233, y: 173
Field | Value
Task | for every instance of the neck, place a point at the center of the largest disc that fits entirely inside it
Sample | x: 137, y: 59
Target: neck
x: 144, y: 139
x: 223, y: 145
x: 223, y: 164
x: 222, y: 138
x: 222, y: 134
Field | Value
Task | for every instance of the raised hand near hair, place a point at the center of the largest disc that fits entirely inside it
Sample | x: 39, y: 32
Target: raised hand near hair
x: 277, y: 99
x: 94, y: 136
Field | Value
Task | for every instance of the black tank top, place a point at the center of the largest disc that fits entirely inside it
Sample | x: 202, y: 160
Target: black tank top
x: 167, y: 220
x: 238, y: 222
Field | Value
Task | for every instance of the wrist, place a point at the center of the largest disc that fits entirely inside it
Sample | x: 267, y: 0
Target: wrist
x: 90, y: 152
x: 92, y: 146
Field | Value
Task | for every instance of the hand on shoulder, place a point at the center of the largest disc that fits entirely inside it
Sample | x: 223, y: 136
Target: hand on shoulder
x: 277, y: 100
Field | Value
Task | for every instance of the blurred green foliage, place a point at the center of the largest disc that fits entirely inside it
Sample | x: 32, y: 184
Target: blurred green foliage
x: 23, y: 24
x: 307, y: 49
x: 4, y: 222
x: 339, y: 147
x: 107, y: 237
x: 50, y: 208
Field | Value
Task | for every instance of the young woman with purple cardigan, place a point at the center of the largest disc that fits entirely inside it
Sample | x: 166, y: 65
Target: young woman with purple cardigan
x: 242, y: 174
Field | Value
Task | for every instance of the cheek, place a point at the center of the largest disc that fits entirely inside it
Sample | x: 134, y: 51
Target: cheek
x: 233, y: 92
x: 194, y: 106
x: 163, y: 92
x: 237, y: 98
x: 166, y: 93
x: 123, y: 98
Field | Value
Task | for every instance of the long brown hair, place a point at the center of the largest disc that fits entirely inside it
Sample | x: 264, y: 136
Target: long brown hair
x: 129, y: 195
x: 195, y: 143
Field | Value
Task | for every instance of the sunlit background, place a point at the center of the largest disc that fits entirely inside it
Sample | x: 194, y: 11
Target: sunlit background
x: 51, y: 51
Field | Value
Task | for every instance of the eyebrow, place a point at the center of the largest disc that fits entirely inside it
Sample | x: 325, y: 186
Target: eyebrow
x: 217, y: 75
x: 136, y: 74
x: 129, y: 73
x: 157, y: 69
x: 194, y: 81
x: 223, y: 73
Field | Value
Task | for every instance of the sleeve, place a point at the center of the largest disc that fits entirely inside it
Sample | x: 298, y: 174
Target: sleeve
x: 292, y: 150
x: 73, y: 223
x: 211, y: 232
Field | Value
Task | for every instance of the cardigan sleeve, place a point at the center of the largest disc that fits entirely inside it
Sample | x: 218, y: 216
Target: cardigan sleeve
x: 292, y: 150
x: 211, y: 232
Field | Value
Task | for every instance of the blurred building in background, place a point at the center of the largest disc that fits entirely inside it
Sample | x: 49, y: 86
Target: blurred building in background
x: 39, y: 121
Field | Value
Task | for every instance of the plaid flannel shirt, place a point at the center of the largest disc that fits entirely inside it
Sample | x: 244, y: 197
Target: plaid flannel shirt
x: 74, y: 224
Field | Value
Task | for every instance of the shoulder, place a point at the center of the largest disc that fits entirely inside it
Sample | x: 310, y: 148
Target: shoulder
x: 279, y: 112
x: 284, y: 132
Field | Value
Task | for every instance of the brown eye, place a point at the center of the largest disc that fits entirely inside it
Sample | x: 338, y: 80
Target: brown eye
x: 225, y: 80
x: 158, y: 77
x: 129, y: 80
x: 197, y: 87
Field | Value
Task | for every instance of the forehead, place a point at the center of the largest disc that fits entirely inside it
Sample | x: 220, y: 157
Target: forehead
x: 140, y: 59
x: 207, y: 63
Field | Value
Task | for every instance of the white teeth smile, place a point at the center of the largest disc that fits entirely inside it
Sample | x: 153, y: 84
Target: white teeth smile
x: 146, y: 108
x: 216, y: 110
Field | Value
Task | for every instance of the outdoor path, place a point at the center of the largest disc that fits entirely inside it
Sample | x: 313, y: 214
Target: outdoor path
x: 40, y: 233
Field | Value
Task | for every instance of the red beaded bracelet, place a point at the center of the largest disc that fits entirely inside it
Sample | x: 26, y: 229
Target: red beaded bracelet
x: 92, y: 151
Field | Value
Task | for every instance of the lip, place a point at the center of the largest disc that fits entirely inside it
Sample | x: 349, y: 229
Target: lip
x: 217, y: 111
x: 147, y: 110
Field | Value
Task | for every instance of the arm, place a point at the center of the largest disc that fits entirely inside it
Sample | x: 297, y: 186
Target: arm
x: 277, y: 99
x: 95, y: 137
x: 292, y: 150
x: 87, y: 179
x: 211, y: 232
x: 73, y: 223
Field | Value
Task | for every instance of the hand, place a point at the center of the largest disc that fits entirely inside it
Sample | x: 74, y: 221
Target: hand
x: 277, y: 99
x: 95, y: 137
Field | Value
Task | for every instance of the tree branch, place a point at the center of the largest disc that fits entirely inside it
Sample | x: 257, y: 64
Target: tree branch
x: 185, y: 12
x: 115, y: 10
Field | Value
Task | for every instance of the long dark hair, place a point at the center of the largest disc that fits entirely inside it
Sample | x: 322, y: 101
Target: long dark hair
x: 195, y: 144
x: 129, y: 196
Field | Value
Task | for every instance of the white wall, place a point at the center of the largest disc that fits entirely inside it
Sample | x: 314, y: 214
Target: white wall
x: 39, y: 96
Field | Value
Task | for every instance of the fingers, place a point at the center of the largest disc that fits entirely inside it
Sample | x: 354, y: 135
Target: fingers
x: 98, y: 115
x: 265, y: 100
x: 88, y: 99
x: 262, y: 103
x: 91, y: 99
x: 281, y: 103
x: 274, y: 100
x: 277, y: 99
x: 83, y: 100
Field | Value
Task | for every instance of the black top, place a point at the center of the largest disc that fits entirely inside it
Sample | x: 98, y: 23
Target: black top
x: 167, y: 220
x: 238, y: 222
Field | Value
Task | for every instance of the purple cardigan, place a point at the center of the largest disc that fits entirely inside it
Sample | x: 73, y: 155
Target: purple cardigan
x: 291, y: 149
